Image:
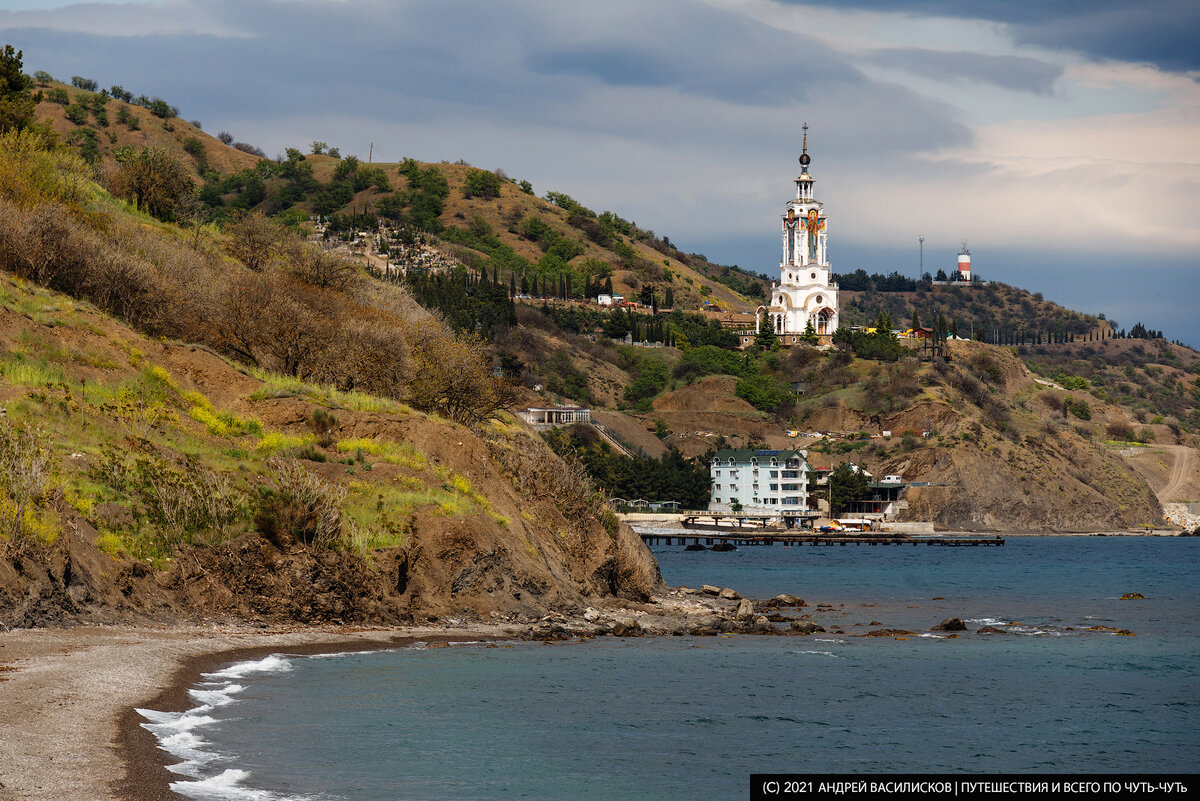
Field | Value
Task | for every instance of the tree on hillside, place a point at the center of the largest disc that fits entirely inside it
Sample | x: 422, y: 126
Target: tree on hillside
x: 481, y: 183
x: 16, y: 101
x: 453, y: 377
x: 845, y: 485
x: 252, y: 239
x: 766, y: 339
x: 157, y: 182
x: 810, y: 334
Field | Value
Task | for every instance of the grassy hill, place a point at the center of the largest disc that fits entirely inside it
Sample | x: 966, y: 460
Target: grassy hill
x: 105, y: 128
x: 204, y: 423
x: 479, y: 217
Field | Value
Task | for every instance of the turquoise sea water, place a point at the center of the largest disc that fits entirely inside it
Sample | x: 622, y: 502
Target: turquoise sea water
x: 683, y: 717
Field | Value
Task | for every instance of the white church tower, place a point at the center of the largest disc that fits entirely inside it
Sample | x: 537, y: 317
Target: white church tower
x: 804, y: 293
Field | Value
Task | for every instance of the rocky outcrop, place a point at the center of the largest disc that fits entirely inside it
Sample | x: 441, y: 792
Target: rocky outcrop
x: 806, y: 627
x: 950, y: 624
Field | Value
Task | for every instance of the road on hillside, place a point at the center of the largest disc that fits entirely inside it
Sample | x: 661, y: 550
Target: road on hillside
x: 1183, y: 468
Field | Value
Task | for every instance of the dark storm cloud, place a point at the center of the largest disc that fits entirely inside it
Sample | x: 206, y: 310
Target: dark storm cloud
x: 1009, y: 72
x: 1164, y: 33
x: 700, y: 51
x: 677, y: 70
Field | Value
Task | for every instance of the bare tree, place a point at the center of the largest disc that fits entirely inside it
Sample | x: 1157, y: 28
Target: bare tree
x: 253, y: 239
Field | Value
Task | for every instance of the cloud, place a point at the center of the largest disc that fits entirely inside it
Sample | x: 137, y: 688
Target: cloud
x: 121, y: 19
x: 697, y: 50
x: 1017, y: 73
x: 1163, y: 33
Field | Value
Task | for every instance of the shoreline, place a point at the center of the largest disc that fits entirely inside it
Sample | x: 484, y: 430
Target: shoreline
x: 652, y: 526
x: 68, y: 696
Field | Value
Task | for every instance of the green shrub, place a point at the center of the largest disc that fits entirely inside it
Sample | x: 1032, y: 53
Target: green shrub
x: 1080, y: 408
x: 763, y: 392
x: 77, y: 114
x: 481, y: 183
x: 323, y: 424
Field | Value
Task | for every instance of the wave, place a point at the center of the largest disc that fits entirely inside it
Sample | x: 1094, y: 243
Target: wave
x: 216, y: 697
x: 178, y: 733
x: 228, y: 786
x: 274, y: 663
x: 175, y: 734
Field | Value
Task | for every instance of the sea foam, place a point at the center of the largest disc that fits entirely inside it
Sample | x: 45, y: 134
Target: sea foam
x: 177, y: 734
x: 271, y: 664
x: 226, y: 786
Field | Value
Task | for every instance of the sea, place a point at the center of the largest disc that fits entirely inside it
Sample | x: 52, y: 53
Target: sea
x: 694, y: 717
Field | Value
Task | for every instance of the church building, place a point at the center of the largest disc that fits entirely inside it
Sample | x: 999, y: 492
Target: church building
x: 804, y: 293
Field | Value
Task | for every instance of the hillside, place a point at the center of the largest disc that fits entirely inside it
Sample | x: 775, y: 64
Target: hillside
x: 106, y: 129
x: 161, y: 458
x: 999, y: 313
x: 474, y: 216
x: 187, y: 436
x: 1006, y: 451
x: 1158, y: 381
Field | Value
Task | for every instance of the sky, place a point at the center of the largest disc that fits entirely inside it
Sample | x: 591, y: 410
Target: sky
x: 1059, y: 138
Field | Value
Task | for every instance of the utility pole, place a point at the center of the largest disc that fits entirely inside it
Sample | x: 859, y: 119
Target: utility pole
x: 371, y: 153
x: 921, y: 239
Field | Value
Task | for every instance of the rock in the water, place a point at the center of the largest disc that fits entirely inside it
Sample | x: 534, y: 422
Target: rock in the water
x: 950, y: 624
x: 991, y: 630
x: 724, y: 546
x: 885, y: 633
x: 709, y: 589
x: 729, y: 594
x: 745, y: 610
x: 806, y: 627
x: 784, y: 599
x: 695, y: 546
x: 1133, y: 596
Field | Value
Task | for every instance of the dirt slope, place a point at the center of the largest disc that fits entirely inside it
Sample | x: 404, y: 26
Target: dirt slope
x: 1172, y: 471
